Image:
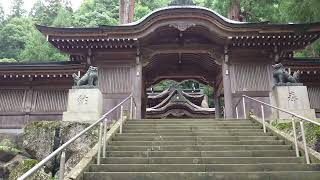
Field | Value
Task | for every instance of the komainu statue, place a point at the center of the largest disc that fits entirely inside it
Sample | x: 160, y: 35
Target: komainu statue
x: 90, y: 79
x: 281, y: 76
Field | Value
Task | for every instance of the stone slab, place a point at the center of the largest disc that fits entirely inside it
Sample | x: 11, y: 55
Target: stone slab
x: 84, y: 105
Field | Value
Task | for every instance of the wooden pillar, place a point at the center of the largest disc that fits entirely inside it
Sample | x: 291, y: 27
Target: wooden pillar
x: 137, y: 91
x: 28, y: 104
x: 228, y: 111
x: 217, y: 107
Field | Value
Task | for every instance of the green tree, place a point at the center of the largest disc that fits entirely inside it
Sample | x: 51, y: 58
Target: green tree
x: 17, y: 9
x: 301, y: 11
x: 2, y: 16
x: 38, y: 49
x: 13, y: 37
x: 143, y: 7
x: 93, y: 13
x: 63, y: 19
x: 52, y: 10
x: 38, y: 13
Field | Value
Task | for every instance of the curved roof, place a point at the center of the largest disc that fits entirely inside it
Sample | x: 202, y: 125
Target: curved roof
x: 197, y: 21
x: 181, y: 12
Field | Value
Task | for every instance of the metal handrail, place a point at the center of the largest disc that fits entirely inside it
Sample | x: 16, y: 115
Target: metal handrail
x: 65, y: 145
x: 300, y: 118
x: 283, y: 110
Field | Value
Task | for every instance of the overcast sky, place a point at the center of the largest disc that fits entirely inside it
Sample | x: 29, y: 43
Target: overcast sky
x: 6, y: 4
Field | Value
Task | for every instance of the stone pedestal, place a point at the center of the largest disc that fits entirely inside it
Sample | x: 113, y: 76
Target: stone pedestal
x: 294, y: 99
x: 84, y: 105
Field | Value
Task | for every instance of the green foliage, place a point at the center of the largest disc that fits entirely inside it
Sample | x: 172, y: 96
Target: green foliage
x: 38, y: 49
x: 286, y: 127
x: 163, y: 85
x: 52, y: 10
x: 8, y: 60
x: 302, y: 11
x: 312, y: 131
x: 63, y: 19
x: 39, y: 14
x: 207, y: 90
x: 13, y: 37
x: 140, y: 11
x: 93, y: 13
x: 17, y: 9
x: 2, y: 15
x: 143, y: 7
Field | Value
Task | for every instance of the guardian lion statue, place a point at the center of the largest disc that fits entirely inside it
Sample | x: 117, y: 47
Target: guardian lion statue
x: 88, y: 79
x: 281, y: 76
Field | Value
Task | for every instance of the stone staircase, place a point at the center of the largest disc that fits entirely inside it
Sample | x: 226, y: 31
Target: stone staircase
x: 199, y: 149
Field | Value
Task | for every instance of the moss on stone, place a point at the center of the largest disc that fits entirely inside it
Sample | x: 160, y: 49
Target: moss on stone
x: 7, y: 142
x: 7, y: 145
x: 9, y: 149
x: 23, y: 167
x: 45, y: 124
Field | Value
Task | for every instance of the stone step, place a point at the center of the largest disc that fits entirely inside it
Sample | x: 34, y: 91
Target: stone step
x: 191, y: 127
x: 188, y: 122
x: 188, y: 130
x: 199, y: 134
x: 190, y: 119
x: 252, y: 153
x: 149, y: 143
x: 192, y: 138
x: 200, y: 160
x: 199, y: 147
x: 273, y: 175
x: 203, y: 167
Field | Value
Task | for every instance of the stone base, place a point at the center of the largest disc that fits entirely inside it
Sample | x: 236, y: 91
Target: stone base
x: 84, y: 105
x: 308, y: 113
x: 85, y: 117
x: 294, y: 99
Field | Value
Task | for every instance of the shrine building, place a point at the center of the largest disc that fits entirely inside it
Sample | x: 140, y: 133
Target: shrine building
x: 176, y: 43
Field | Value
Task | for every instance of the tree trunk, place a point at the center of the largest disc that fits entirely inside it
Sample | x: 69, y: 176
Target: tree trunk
x: 126, y: 11
x: 235, y: 11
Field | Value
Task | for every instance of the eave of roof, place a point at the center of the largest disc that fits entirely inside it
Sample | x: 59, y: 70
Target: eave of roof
x: 63, y: 69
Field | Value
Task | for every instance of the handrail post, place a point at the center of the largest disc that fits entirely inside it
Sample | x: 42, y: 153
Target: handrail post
x: 131, y: 108
x: 295, y: 136
x: 62, y: 165
x: 135, y: 112
x: 244, y: 107
x: 121, y: 119
x: 104, y: 138
x: 263, y: 119
x: 99, y: 144
x: 304, y: 142
x: 237, y: 113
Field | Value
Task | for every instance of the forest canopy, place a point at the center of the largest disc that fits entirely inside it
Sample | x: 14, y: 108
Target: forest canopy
x: 21, y: 42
